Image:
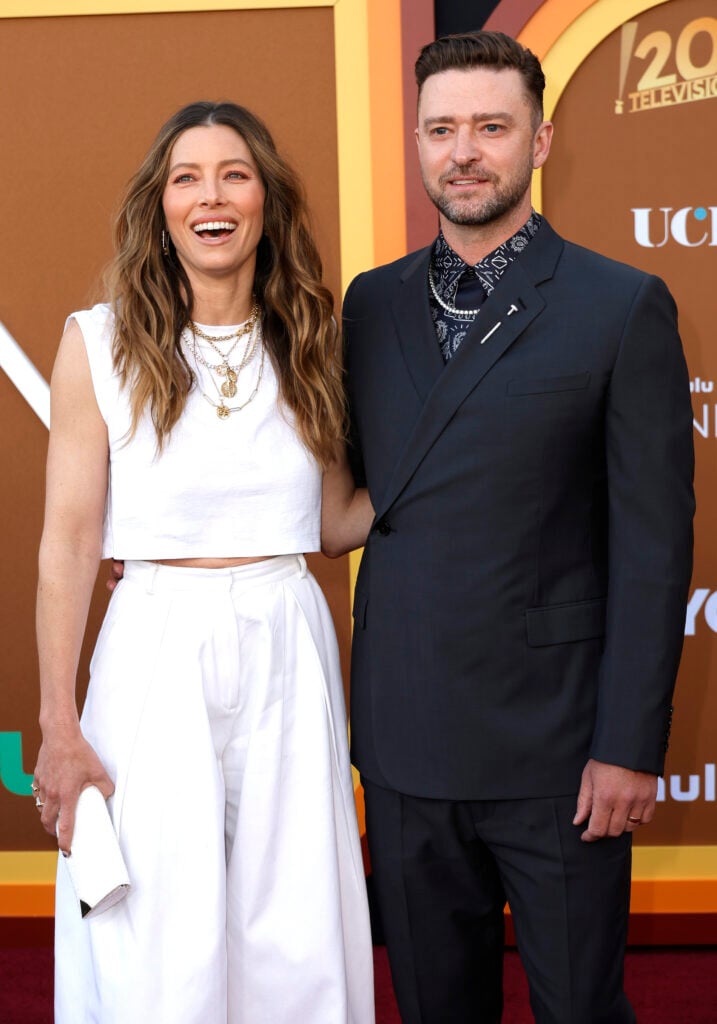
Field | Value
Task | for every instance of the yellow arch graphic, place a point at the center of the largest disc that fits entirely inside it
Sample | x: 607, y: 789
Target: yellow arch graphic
x: 666, y: 879
x: 563, y: 33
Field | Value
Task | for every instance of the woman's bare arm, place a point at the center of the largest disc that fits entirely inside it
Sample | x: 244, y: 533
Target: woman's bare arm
x: 346, y: 511
x: 70, y: 550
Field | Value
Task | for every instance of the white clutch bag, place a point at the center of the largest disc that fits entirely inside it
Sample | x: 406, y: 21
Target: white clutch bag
x: 95, y: 863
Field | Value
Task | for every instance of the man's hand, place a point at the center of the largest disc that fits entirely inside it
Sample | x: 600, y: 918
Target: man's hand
x: 117, y: 574
x: 614, y: 799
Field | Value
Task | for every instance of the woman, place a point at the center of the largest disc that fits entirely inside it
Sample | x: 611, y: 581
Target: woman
x: 195, y: 420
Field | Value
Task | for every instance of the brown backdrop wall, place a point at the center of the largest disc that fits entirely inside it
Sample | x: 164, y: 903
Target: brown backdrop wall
x: 82, y: 99
x: 631, y: 173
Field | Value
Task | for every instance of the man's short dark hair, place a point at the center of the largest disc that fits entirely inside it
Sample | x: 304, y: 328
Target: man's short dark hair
x: 493, y: 50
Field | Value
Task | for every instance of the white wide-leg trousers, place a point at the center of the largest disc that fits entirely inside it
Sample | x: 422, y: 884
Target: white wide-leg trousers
x: 215, y: 703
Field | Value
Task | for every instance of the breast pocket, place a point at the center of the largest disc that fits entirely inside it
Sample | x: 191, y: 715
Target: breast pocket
x: 549, y: 385
x: 549, y: 414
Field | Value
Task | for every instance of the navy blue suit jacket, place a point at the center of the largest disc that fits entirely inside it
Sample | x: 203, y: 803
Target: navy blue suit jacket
x: 521, y: 599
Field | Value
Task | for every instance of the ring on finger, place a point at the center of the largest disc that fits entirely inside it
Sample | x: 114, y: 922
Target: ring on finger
x: 634, y: 821
x: 38, y: 803
x: 35, y: 787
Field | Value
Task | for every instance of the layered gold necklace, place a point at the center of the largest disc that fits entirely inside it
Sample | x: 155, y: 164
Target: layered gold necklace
x: 228, y: 373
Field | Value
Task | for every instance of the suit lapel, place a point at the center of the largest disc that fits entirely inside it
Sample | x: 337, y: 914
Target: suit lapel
x: 416, y: 333
x: 503, y: 318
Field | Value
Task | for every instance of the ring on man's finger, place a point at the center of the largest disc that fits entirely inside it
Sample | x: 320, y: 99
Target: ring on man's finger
x: 634, y: 821
x: 38, y: 803
x: 35, y: 787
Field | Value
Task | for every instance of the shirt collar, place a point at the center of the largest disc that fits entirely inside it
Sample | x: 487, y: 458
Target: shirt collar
x: 447, y: 266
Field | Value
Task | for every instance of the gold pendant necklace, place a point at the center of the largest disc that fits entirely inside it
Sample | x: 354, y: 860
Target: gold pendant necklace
x: 224, y: 369
x: 223, y: 410
x: 228, y: 388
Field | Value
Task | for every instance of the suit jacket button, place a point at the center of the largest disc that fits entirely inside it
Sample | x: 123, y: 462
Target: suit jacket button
x: 383, y: 527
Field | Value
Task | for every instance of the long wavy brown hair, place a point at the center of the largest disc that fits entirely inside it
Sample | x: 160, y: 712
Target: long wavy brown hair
x: 152, y: 299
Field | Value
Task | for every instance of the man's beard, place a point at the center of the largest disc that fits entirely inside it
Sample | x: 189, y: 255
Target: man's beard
x: 478, y: 211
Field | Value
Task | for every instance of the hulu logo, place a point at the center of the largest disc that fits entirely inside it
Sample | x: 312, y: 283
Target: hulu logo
x: 12, y: 777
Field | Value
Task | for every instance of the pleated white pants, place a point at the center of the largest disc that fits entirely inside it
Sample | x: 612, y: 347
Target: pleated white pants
x: 215, y: 703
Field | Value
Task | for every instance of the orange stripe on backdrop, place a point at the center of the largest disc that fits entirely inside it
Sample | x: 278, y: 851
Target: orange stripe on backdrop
x: 387, y: 178
x: 387, y: 158
x: 417, y: 29
x: 36, y: 899
x: 550, y: 21
x: 686, y: 886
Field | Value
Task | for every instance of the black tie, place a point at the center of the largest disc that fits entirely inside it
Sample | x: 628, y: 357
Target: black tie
x: 470, y: 293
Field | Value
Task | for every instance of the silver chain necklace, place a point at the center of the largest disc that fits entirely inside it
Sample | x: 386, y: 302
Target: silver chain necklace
x: 228, y: 388
x: 465, y: 313
x: 223, y: 410
x: 223, y: 369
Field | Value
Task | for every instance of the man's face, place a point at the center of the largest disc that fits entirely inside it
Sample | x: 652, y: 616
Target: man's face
x: 478, y: 144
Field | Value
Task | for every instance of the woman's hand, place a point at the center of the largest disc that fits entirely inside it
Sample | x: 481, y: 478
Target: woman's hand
x: 346, y: 510
x: 116, y: 574
x: 66, y: 765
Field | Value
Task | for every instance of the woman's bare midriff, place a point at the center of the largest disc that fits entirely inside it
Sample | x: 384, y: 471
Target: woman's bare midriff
x: 210, y: 563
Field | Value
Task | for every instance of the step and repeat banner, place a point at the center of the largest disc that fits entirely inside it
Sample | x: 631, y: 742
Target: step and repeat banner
x: 632, y: 174
x: 82, y: 99
x: 632, y: 89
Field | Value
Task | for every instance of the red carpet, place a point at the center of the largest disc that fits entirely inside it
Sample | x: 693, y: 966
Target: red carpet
x: 666, y: 986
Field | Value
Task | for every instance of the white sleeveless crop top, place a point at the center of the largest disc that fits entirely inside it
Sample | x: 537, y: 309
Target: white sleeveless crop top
x: 235, y: 487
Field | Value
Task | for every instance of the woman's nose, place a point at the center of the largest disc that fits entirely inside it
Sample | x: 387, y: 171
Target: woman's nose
x: 212, y: 194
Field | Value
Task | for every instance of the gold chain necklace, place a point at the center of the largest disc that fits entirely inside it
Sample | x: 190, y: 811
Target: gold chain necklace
x: 241, y: 329
x: 228, y: 388
x: 230, y: 373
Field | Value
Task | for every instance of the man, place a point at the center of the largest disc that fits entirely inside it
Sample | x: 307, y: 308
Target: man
x: 522, y: 417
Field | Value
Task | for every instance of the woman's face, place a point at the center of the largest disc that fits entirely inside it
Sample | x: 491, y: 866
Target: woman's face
x: 213, y: 203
